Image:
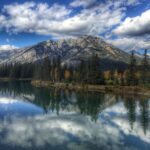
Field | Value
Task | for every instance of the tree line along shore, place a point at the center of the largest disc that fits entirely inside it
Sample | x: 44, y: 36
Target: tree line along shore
x: 130, y: 90
x: 88, y: 72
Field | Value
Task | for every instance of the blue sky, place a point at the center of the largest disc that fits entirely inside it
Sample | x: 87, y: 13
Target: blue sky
x: 123, y: 23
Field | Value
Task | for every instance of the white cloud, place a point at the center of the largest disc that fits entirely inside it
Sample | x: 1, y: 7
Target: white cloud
x: 136, y: 26
x: 131, y: 43
x: 84, y: 3
x: 7, y: 47
x: 133, y: 2
x: 56, y: 20
x: 2, y: 19
x: 32, y: 17
x: 61, y: 21
x: 112, y: 126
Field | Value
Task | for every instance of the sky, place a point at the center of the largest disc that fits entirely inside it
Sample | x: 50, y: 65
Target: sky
x: 123, y: 23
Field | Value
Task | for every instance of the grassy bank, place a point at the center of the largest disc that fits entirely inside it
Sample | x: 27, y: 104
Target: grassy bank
x: 136, y: 90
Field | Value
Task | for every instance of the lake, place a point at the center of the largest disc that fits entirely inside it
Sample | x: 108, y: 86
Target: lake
x: 50, y: 119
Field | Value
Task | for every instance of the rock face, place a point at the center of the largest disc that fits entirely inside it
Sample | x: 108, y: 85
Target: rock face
x: 70, y: 50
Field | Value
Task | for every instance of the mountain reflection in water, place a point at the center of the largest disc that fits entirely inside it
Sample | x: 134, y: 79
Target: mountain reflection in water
x: 44, y: 119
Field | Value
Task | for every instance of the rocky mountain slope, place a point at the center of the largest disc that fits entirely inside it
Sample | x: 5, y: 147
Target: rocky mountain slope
x: 70, y: 50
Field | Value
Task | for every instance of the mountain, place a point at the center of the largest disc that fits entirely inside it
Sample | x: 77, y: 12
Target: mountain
x: 71, y: 51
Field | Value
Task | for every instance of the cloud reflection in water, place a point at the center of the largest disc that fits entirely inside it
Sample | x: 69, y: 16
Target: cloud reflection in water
x: 44, y: 119
x: 75, y: 131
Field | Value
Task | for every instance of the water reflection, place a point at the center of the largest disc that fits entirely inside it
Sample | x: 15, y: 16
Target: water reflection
x: 13, y: 108
x: 58, y: 119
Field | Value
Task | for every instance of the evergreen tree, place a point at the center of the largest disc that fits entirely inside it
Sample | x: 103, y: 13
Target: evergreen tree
x: 46, y: 69
x: 145, y: 69
x: 58, y: 69
x: 94, y: 70
x: 132, y: 70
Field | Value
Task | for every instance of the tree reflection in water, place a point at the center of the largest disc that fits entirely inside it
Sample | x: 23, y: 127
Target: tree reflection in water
x: 86, y: 103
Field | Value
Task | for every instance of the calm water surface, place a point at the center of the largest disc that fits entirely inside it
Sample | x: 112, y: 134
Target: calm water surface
x: 49, y: 119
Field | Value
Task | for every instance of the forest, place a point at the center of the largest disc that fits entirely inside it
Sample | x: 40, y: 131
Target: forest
x: 87, y: 72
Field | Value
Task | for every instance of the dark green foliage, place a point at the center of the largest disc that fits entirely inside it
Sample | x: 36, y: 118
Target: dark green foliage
x: 94, y: 67
x: 132, y: 70
x: 89, y: 71
x: 16, y: 71
x: 145, y: 69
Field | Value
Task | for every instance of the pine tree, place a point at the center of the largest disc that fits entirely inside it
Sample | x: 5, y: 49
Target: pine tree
x: 145, y: 68
x: 46, y: 69
x: 132, y: 70
x: 58, y: 69
x: 94, y: 70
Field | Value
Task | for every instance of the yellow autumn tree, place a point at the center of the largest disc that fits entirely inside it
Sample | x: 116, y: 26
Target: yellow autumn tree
x: 67, y: 74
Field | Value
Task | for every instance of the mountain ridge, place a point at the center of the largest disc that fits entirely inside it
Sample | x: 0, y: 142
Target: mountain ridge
x: 71, y: 51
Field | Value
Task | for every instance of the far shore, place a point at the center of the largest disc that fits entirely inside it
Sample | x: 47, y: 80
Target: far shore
x: 130, y: 90
x: 116, y: 89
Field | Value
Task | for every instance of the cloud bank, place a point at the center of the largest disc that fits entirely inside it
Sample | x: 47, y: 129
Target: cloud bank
x: 105, y: 19
x: 77, y: 133
x: 7, y: 47
x: 136, y: 26
x: 57, y: 20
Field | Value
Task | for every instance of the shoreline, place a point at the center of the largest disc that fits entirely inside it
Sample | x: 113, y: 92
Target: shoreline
x: 116, y: 89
